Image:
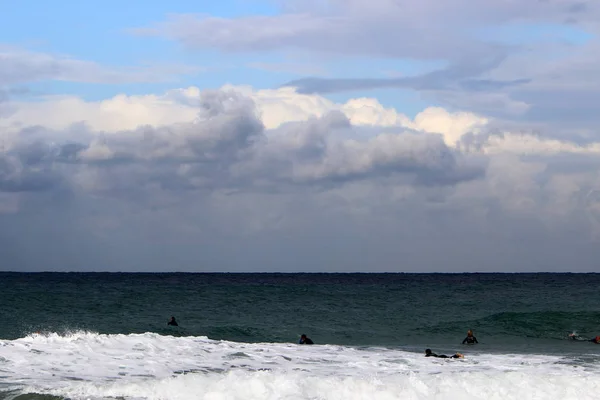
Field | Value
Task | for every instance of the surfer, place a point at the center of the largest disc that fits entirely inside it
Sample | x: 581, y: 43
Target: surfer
x: 305, y: 340
x: 428, y: 353
x: 470, y: 339
x: 574, y: 336
x: 172, y: 322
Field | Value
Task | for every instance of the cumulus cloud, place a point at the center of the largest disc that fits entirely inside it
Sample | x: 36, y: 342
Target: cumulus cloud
x: 121, y: 112
x: 23, y: 174
x: 227, y: 142
x: 279, y: 180
x: 274, y: 106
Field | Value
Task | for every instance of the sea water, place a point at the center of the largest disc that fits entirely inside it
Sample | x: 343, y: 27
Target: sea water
x: 104, y: 336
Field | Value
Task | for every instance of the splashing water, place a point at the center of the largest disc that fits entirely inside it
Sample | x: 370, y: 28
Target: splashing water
x: 86, y: 365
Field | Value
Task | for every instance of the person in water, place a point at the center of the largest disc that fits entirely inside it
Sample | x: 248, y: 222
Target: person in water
x: 428, y: 353
x: 470, y: 339
x: 574, y: 336
x: 305, y: 340
x: 172, y: 322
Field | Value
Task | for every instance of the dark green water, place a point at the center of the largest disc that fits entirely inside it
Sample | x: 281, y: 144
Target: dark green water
x: 508, y: 312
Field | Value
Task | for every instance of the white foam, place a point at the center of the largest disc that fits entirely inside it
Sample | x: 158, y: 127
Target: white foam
x: 149, y: 366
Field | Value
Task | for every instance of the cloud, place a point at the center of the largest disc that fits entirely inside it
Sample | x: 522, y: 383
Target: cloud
x: 27, y: 167
x: 121, y: 112
x: 20, y: 66
x: 496, y: 60
x: 232, y: 139
x: 279, y: 180
x: 389, y: 28
x: 454, y: 76
x: 274, y: 106
x: 529, y: 144
x: 227, y: 145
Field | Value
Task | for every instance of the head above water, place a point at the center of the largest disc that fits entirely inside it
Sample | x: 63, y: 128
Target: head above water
x: 303, y: 336
x: 427, y: 351
x: 469, y: 332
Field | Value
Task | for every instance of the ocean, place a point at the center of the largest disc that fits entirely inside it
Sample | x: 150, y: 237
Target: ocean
x: 105, y: 336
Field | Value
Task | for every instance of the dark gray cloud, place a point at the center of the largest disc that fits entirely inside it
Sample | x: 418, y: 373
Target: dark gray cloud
x: 14, y: 177
x: 29, y: 168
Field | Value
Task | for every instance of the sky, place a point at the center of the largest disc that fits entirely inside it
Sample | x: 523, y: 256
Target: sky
x: 300, y: 136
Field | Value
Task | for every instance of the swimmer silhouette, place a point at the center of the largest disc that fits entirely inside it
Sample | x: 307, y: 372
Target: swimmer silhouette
x: 305, y: 340
x: 172, y: 322
x: 470, y: 339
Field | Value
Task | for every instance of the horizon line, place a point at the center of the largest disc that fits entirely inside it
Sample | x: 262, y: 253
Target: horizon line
x: 291, y: 273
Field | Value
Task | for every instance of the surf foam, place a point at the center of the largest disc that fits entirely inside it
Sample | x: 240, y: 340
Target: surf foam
x: 86, y: 365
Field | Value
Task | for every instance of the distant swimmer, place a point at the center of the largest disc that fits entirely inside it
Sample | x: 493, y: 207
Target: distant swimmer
x: 470, y: 339
x: 428, y: 353
x: 574, y: 336
x: 172, y: 322
x: 305, y: 340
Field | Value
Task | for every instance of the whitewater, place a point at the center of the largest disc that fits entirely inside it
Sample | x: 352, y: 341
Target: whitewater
x: 87, y: 365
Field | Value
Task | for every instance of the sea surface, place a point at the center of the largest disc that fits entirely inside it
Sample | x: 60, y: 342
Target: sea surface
x: 105, y: 336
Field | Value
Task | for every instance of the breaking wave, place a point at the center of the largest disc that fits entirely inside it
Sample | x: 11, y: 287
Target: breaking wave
x: 86, y: 365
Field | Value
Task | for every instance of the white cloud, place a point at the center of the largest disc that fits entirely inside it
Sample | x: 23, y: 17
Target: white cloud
x: 112, y: 115
x: 275, y: 106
